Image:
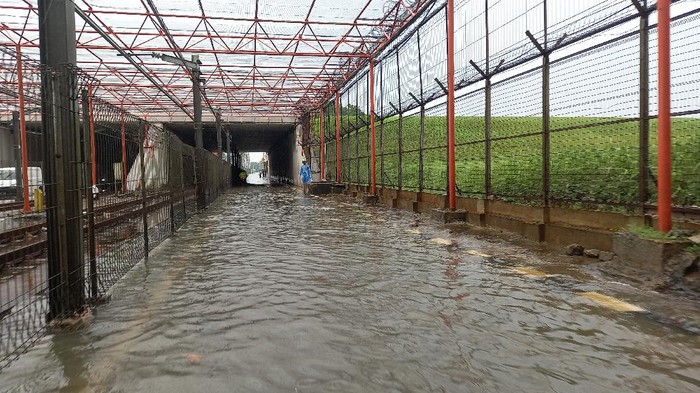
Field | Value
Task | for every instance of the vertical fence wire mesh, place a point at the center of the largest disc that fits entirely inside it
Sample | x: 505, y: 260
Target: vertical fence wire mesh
x: 551, y: 105
x: 125, y: 186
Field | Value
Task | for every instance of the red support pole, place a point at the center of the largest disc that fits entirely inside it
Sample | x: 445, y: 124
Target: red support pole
x: 124, y: 171
x: 26, y: 208
x: 322, y: 147
x: 372, y: 128
x: 93, y: 153
x: 452, y: 184
x: 664, y: 121
x: 337, y: 137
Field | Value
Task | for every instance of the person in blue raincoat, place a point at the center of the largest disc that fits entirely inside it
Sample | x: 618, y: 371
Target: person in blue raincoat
x: 305, y: 174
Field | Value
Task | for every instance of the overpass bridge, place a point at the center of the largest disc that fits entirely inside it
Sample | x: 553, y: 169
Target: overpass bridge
x: 127, y: 260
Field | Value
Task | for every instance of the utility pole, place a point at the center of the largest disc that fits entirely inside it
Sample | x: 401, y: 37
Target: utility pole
x: 193, y: 67
x: 62, y: 158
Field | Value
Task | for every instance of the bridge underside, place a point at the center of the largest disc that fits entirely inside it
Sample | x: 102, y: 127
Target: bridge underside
x: 278, y: 140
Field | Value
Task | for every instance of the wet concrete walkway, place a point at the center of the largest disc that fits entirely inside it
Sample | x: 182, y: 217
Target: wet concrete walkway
x: 271, y: 291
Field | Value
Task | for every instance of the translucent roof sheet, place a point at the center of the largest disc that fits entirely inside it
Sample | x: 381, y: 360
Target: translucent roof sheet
x: 264, y: 57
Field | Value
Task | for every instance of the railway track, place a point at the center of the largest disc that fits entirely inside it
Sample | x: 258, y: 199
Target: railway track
x: 28, y: 241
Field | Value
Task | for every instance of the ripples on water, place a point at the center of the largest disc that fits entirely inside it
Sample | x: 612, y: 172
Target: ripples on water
x: 270, y: 291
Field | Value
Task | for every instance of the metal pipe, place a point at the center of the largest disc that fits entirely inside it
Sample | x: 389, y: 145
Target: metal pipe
x: 664, y: 120
x: 452, y: 184
x: 373, y: 153
x: 26, y: 208
x: 337, y: 137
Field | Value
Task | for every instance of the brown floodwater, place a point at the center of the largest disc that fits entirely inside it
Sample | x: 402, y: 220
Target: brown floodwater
x: 271, y: 291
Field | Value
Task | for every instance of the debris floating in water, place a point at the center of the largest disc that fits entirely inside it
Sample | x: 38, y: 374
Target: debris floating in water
x: 528, y: 271
x: 478, y: 254
x: 441, y: 241
x: 193, y: 358
x: 611, y: 302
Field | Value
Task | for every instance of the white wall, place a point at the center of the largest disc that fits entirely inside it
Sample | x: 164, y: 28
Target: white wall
x: 7, y: 155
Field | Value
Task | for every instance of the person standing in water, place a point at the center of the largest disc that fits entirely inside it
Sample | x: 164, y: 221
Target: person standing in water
x: 305, y: 174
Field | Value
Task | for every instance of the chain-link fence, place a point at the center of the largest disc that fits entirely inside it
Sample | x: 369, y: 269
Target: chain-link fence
x: 87, y: 190
x: 555, y: 105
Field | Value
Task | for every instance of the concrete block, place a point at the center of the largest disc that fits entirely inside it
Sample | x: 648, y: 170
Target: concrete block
x: 321, y: 188
x: 423, y: 207
x: 448, y: 216
x: 646, y: 254
x: 404, y: 204
x: 370, y: 200
x: 588, y: 237
x: 337, y: 188
x: 476, y: 219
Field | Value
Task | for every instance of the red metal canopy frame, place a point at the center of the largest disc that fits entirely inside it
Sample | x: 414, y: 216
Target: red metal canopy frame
x: 262, y: 58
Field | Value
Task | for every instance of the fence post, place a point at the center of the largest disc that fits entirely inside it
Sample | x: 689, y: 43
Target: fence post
x: 322, y: 146
x: 125, y: 173
x: 357, y: 156
x: 421, y: 150
x: 373, y: 145
x: 452, y: 184
x: 421, y: 136
x: 171, y: 173
x: 399, y: 175
x: 63, y: 194
x: 546, y: 146
x: 664, y: 121
x: 91, y: 119
x: 89, y: 173
x: 182, y: 184
x: 337, y: 137
x: 643, y: 104
x: 487, y: 110
x: 144, y: 202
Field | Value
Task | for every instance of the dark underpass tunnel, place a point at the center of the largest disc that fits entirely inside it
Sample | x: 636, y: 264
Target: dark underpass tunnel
x: 278, y: 140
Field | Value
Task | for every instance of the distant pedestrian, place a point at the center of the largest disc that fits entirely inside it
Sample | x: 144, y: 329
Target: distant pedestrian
x: 305, y: 174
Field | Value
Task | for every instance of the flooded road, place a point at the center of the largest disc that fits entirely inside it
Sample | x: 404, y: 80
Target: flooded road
x: 271, y: 291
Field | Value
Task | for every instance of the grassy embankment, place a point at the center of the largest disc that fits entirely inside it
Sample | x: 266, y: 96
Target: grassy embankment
x: 592, y: 159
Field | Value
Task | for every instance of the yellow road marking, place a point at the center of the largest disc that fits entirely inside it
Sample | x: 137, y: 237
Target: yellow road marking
x: 611, y: 302
x: 528, y: 271
x: 478, y: 254
x: 441, y: 241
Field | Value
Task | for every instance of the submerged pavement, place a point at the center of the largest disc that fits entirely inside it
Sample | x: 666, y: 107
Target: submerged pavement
x: 271, y: 291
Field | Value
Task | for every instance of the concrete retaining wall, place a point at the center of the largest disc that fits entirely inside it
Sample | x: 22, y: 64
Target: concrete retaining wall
x: 557, y: 226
